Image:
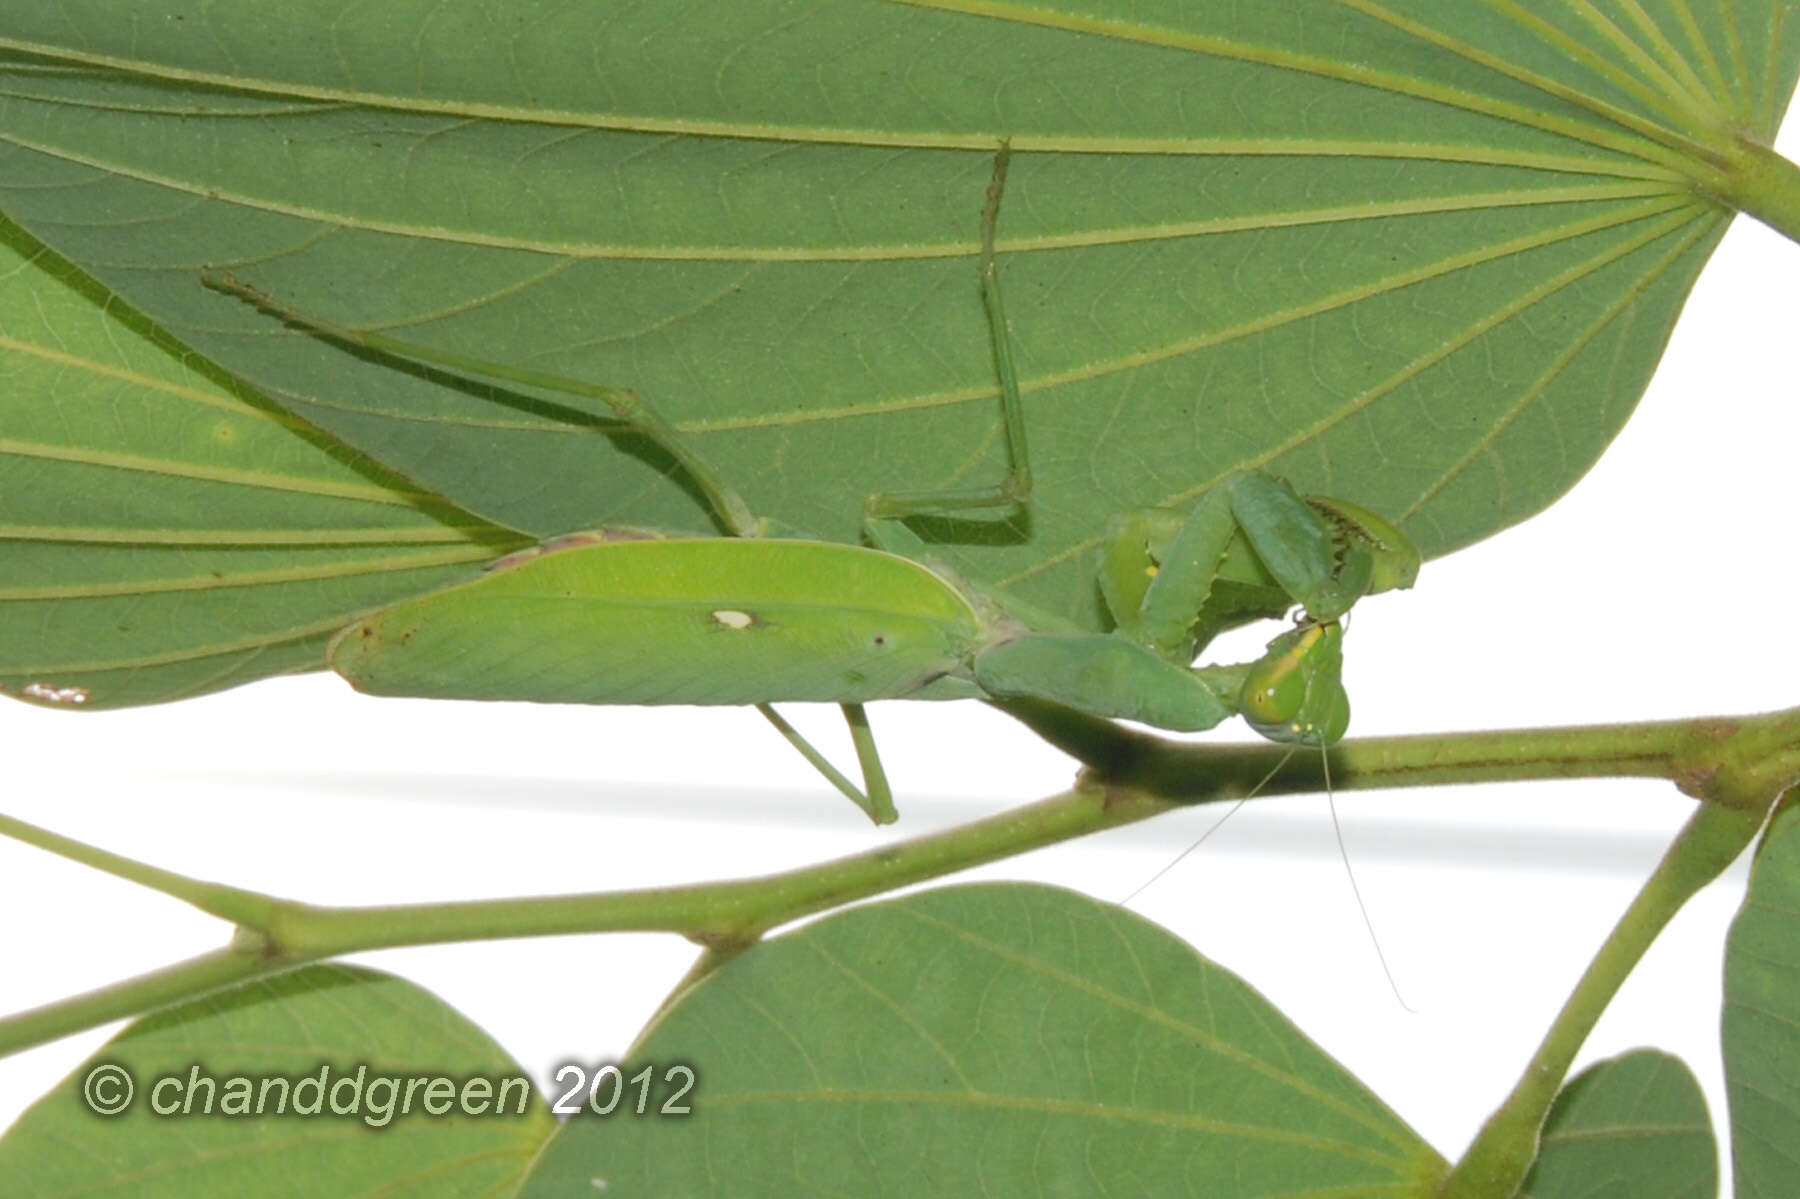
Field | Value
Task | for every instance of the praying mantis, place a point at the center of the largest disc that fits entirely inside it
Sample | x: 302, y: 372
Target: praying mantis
x: 631, y: 616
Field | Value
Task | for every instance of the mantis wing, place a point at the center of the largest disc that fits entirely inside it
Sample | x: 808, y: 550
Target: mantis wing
x: 694, y: 621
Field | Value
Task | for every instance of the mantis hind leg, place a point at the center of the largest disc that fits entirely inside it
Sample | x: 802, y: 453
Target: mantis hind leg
x: 729, y: 508
x: 880, y: 796
x: 878, y: 799
x: 1014, y: 488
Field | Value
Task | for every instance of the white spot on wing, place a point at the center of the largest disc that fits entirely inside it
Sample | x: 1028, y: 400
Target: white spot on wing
x: 731, y: 618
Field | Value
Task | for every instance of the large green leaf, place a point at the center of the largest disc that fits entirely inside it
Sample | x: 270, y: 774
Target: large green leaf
x: 1422, y: 254
x: 163, y: 533
x: 335, y: 1024
x: 1762, y: 1019
x: 1634, y: 1127
x: 989, y: 1040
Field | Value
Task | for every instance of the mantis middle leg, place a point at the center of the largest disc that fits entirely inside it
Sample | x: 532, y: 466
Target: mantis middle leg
x: 875, y: 797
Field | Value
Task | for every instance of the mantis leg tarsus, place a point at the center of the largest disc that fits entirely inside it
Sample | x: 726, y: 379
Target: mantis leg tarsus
x: 878, y: 802
x: 1337, y: 830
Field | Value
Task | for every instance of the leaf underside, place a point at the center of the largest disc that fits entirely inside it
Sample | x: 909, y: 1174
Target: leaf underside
x: 287, y: 1028
x: 994, y: 1039
x: 1761, y: 1027
x: 1421, y: 255
x: 997, y: 1040
x: 1635, y: 1127
x: 163, y: 534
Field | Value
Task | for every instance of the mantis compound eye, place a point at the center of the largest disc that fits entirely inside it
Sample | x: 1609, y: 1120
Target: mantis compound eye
x: 1332, y: 721
x: 1274, y: 692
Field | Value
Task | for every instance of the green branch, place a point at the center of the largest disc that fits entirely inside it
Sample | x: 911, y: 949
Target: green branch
x: 243, y: 908
x: 1502, y: 1153
x: 1738, y: 764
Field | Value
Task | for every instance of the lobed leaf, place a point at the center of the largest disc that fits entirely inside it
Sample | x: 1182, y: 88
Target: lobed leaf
x: 1418, y: 254
x: 164, y: 532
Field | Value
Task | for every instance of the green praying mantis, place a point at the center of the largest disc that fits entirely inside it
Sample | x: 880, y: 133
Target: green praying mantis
x: 631, y: 616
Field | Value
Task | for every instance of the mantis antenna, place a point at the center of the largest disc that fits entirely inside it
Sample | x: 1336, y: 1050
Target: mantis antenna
x: 1296, y: 695
x: 1213, y: 827
x: 1337, y: 829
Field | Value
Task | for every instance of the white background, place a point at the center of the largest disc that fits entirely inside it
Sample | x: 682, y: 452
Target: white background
x: 1658, y: 588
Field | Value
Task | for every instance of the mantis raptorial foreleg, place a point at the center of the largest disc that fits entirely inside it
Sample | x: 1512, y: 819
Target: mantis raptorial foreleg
x: 1174, y: 598
x: 1249, y: 548
x: 1323, y: 553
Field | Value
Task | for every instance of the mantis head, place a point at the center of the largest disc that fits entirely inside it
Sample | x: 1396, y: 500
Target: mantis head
x: 1295, y: 692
